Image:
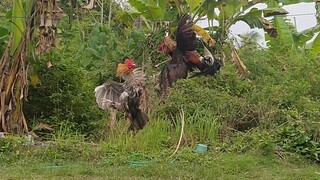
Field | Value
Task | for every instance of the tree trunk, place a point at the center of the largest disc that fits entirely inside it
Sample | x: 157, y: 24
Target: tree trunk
x: 13, y: 88
x: 13, y: 74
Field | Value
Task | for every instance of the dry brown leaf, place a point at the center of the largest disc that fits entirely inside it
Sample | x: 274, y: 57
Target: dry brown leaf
x: 241, y: 68
x: 42, y: 126
x: 50, y: 14
x: 90, y: 5
x: 49, y: 65
x: 267, y: 26
x: 2, y: 112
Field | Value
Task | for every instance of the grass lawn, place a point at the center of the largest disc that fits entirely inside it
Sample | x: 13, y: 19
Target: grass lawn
x: 223, y: 166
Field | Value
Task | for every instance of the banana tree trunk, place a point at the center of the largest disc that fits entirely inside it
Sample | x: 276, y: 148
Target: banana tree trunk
x: 14, y: 88
x: 13, y: 72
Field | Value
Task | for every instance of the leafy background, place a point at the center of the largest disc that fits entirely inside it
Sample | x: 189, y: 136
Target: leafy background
x: 275, y: 109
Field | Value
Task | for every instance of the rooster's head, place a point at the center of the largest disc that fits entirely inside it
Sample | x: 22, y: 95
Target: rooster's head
x: 126, y: 68
x: 167, y: 45
x: 130, y: 64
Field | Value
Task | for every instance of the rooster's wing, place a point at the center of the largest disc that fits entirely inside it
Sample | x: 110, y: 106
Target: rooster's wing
x: 171, y: 72
x: 109, y: 94
x: 186, y: 37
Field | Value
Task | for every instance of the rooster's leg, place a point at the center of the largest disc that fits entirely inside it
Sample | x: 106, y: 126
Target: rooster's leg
x: 113, y: 120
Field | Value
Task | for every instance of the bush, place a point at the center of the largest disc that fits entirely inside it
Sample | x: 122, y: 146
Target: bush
x: 295, y: 138
x: 64, y: 93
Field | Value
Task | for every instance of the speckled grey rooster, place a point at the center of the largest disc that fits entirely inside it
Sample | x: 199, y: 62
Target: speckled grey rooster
x: 125, y: 96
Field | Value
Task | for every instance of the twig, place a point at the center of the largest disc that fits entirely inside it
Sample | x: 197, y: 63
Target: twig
x: 163, y: 62
x: 181, y: 134
x: 280, y: 155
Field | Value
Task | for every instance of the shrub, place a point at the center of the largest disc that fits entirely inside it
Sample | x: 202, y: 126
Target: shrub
x: 63, y: 93
x: 295, y: 138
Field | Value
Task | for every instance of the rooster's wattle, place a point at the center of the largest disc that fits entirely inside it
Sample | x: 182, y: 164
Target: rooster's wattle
x: 125, y: 96
x: 184, y: 57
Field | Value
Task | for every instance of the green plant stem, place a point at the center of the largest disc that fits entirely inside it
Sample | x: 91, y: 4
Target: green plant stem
x: 110, y: 13
x: 102, y: 11
x: 178, y: 7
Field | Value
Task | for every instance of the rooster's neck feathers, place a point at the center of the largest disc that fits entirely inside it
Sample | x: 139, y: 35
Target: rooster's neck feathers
x: 126, y: 68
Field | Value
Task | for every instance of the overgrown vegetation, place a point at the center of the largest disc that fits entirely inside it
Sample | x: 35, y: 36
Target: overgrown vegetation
x: 273, y: 113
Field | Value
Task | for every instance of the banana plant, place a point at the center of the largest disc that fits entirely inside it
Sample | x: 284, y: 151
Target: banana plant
x: 315, y: 46
x: 229, y: 12
x: 148, y: 12
x: 13, y: 64
x: 4, y: 36
x: 289, y: 37
x: 288, y: 2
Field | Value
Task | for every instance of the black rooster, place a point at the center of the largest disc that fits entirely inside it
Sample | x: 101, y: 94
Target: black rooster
x: 184, y: 57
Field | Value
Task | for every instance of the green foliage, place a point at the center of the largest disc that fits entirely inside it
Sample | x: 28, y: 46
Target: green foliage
x: 193, y: 4
x: 5, y: 5
x: 18, y: 26
x: 152, y: 11
x: 159, y: 134
x: 5, y: 26
x: 225, y: 112
x: 315, y: 46
x: 105, y: 48
x: 13, y: 148
x: 295, y: 138
x: 215, y: 166
x: 231, y: 12
x: 281, y: 89
x: 10, y: 144
x: 289, y: 37
x: 68, y: 95
x: 257, y: 141
x: 217, y: 97
x: 4, y: 37
x: 285, y: 34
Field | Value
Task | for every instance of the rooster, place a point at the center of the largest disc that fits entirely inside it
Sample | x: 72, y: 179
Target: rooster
x: 125, y: 96
x: 184, y: 57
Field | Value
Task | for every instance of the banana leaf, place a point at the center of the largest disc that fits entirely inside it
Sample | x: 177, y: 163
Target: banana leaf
x: 208, y: 6
x: 129, y: 17
x: 18, y: 24
x: 302, y: 37
x: 285, y: 35
x: 267, y: 12
x: 150, y: 12
x: 287, y: 2
x: 315, y: 50
x: 193, y: 3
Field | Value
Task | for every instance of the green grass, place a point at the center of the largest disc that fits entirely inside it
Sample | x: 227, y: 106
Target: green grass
x: 209, y: 166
